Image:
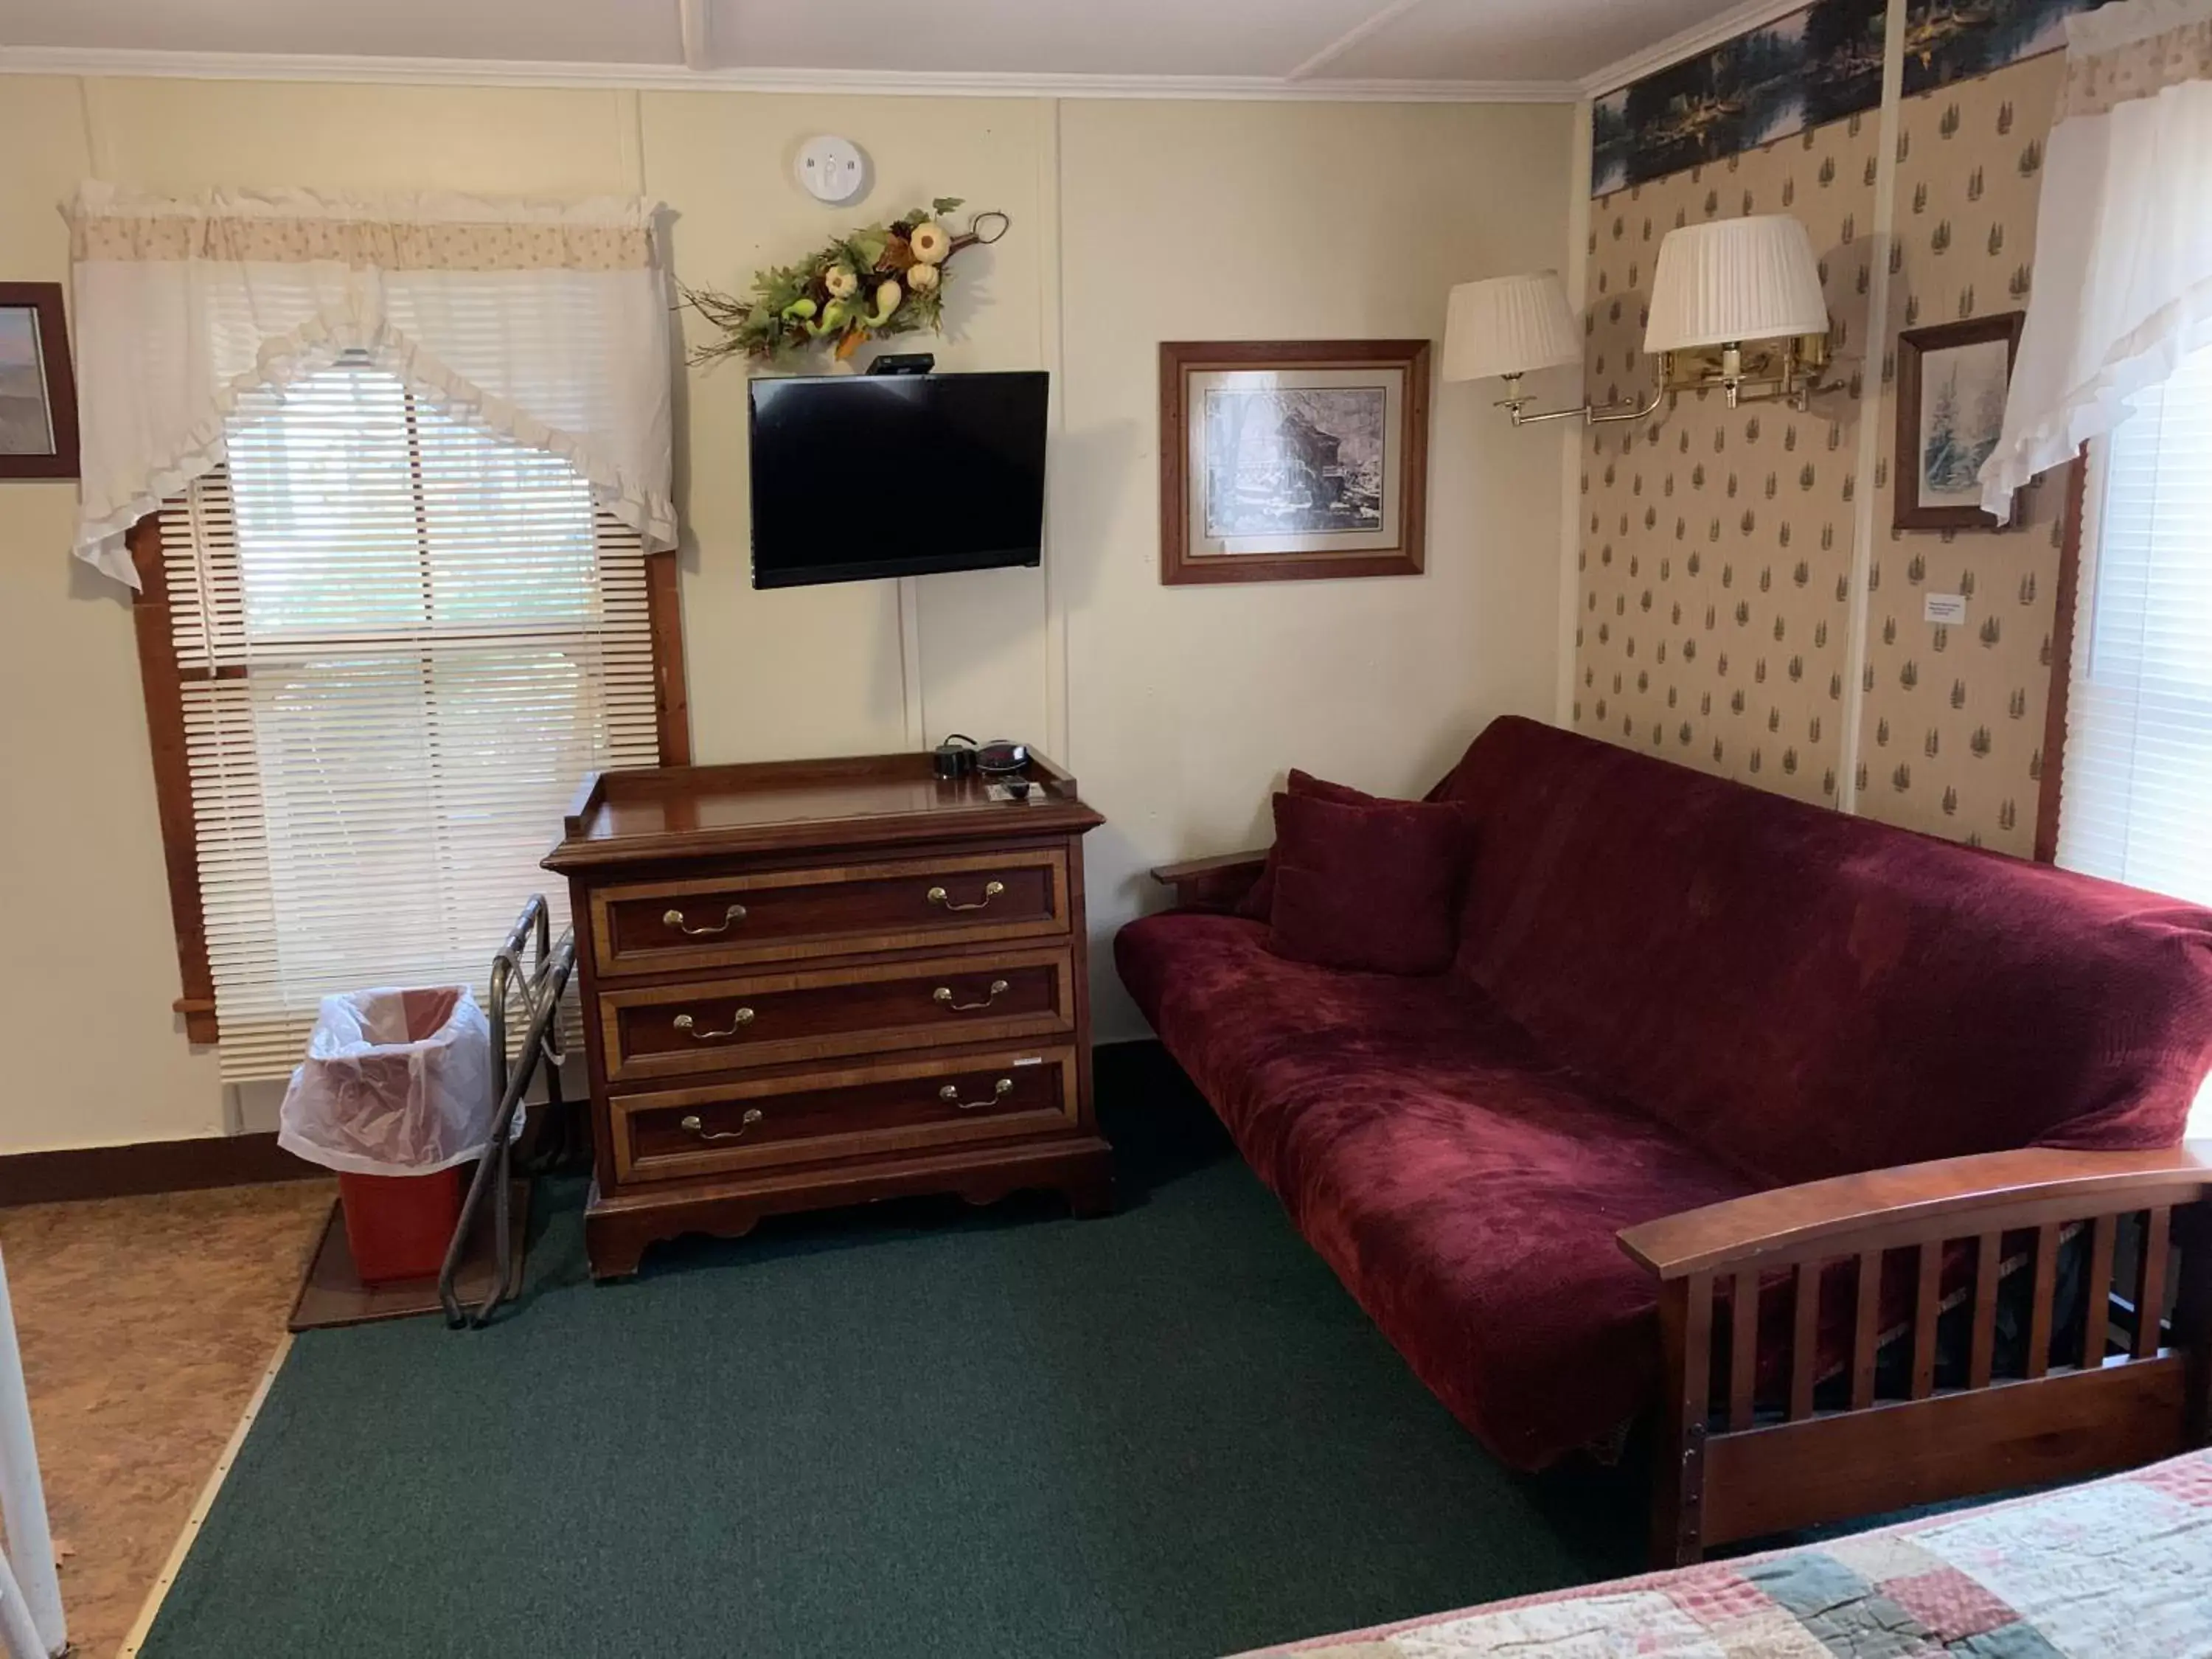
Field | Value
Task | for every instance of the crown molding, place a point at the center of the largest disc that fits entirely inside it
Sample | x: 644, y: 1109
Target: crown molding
x: 125, y: 64
x: 1738, y: 19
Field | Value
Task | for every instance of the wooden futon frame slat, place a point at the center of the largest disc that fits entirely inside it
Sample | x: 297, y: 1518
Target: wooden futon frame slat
x: 1721, y: 1474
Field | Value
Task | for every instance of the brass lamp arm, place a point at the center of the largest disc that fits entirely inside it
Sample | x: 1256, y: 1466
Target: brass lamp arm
x: 1515, y: 407
x: 1627, y: 411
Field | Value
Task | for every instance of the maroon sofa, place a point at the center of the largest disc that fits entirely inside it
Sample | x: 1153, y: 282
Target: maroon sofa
x: 1673, y: 991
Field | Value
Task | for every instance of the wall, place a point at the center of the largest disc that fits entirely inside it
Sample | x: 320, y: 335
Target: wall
x: 1188, y: 704
x: 1716, y: 547
x: 1718, y: 591
x: 1132, y: 222
x: 1951, y: 740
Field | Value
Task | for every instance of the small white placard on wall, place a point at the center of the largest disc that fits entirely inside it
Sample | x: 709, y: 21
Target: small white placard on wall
x: 1949, y: 608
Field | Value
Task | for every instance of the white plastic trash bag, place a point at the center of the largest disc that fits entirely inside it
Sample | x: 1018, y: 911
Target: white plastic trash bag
x: 395, y: 1083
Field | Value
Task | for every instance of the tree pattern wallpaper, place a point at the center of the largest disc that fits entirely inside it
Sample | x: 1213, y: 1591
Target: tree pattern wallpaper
x: 1952, y: 734
x: 1715, y: 595
x: 1716, y: 547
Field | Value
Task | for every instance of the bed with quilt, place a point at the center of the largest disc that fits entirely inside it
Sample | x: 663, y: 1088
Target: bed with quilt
x: 2119, y: 1568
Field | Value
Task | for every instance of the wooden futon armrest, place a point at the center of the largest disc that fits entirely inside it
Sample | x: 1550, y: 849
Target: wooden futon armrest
x: 1916, y: 1203
x: 1212, y: 883
x: 1828, y: 1430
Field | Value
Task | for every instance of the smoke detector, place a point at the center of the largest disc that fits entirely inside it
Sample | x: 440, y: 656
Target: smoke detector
x: 831, y: 169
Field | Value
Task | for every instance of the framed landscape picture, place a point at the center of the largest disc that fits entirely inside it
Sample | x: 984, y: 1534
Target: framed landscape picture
x: 1285, y: 460
x: 38, y: 394
x: 1951, y: 386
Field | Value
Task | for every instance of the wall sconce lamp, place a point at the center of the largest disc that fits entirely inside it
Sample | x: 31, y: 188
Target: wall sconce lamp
x: 1509, y: 326
x: 1736, y: 307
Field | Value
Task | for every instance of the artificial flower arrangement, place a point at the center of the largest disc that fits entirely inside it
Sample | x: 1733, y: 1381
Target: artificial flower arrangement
x: 879, y: 280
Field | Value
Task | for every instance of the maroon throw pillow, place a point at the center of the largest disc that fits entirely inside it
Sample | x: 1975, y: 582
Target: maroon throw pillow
x: 1259, y: 903
x: 1373, y: 887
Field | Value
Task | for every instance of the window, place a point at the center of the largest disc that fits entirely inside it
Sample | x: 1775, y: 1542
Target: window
x: 395, y: 647
x: 2136, y: 803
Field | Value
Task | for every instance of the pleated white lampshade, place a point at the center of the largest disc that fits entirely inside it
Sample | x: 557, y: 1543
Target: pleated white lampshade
x: 1510, y: 326
x: 1735, y: 279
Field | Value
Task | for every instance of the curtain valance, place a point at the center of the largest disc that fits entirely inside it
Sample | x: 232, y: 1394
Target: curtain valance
x: 545, y: 324
x: 2124, y: 234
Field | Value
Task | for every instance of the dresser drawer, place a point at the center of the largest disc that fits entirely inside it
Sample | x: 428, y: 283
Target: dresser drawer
x: 867, y: 1111
x: 779, y: 916
x: 773, y: 1019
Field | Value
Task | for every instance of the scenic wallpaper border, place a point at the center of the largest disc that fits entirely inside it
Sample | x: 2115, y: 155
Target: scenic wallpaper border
x: 1948, y: 40
x: 1814, y: 66
x: 1818, y: 64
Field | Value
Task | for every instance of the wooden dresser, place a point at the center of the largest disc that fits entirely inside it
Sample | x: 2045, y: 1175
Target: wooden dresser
x: 821, y: 983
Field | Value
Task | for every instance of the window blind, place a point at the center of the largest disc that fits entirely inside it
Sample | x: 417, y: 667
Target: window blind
x: 2136, y: 795
x: 403, y: 643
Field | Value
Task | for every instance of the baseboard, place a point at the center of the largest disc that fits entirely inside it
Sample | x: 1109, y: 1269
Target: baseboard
x: 149, y: 1166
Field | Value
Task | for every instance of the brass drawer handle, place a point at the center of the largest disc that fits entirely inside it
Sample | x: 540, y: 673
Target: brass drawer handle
x: 739, y: 1021
x: 991, y: 891
x: 691, y: 1126
x: 944, y: 994
x: 999, y: 1091
x: 731, y: 917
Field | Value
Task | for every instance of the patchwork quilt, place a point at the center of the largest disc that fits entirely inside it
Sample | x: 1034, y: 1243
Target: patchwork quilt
x: 2118, y: 1569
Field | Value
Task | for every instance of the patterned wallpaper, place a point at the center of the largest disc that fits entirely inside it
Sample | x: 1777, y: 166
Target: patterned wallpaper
x: 1717, y: 552
x: 1716, y: 556
x: 1951, y: 737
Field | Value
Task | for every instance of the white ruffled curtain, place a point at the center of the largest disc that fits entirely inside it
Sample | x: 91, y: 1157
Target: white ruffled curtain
x: 549, y: 325
x: 2124, y: 236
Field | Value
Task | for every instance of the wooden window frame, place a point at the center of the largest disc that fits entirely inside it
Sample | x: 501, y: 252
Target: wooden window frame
x: 2067, y: 598
x: 163, y: 684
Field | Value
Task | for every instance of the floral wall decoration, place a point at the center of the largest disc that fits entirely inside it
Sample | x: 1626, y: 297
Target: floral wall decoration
x: 873, y: 283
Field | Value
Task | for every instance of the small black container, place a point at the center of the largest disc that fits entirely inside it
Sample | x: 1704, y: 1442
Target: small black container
x: 955, y: 758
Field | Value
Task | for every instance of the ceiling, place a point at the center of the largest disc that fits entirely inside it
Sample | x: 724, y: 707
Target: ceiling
x: 1420, y: 47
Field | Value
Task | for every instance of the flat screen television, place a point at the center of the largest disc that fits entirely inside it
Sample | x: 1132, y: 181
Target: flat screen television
x: 863, y: 475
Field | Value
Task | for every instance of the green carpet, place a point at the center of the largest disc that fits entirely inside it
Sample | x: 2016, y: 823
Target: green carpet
x: 915, y: 1430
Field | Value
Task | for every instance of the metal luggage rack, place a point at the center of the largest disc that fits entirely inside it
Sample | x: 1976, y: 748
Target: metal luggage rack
x: 542, y: 983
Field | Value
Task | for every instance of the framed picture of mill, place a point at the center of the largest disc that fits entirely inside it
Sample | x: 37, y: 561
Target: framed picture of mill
x: 1951, y: 386
x: 1285, y: 460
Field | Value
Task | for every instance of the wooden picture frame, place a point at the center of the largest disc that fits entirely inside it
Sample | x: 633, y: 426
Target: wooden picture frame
x: 1957, y: 360
x: 37, y: 388
x: 1340, y: 488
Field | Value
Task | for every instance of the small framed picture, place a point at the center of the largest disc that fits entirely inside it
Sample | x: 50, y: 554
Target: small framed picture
x: 1951, y: 386
x: 38, y: 394
x: 1286, y: 461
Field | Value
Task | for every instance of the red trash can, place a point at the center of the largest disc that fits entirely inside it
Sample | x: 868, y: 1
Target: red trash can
x: 398, y: 1226
x: 396, y: 1096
